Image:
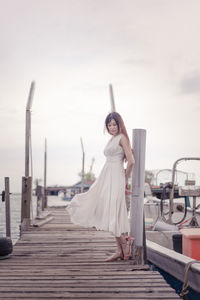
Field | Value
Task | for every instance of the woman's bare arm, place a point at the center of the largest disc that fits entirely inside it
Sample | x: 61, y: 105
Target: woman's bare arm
x: 129, y: 156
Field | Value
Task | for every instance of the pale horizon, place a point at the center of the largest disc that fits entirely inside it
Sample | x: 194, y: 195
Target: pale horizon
x: 147, y: 49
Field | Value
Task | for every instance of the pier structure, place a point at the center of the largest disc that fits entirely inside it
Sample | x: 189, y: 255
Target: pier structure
x: 59, y: 260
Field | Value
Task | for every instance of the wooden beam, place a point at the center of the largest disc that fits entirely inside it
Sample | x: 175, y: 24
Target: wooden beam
x: 7, y: 206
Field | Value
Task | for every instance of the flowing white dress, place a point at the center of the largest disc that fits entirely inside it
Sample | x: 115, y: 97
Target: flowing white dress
x: 103, y: 206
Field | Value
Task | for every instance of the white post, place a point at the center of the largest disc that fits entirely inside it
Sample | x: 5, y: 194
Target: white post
x: 112, y: 101
x: 137, y: 201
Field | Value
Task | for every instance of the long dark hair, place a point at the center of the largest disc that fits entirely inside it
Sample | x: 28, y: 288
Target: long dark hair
x: 120, y: 124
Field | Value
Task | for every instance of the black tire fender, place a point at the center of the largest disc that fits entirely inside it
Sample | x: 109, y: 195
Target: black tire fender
x: 6, y: 246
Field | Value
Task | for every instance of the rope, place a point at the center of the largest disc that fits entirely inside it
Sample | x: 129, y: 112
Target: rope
x: 185, y: 291
x: 185, y: 221
x: 198, y: 206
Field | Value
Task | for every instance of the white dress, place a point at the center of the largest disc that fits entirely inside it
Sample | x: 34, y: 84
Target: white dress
x: 103, y: 206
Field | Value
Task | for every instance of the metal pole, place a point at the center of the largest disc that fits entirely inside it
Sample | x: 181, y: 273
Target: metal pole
x: 170, y: 170
x: 137, y: 201
x: 112, y: 101
x: 45, y: 174
x: 173, y: 184
x: 7, y: 206
x: 162, y: 170
x: 83, y: 167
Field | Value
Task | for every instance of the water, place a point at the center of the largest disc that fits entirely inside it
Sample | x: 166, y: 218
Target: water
x: 15, y: 207
x: 15, y: 211
x: 176, y: 284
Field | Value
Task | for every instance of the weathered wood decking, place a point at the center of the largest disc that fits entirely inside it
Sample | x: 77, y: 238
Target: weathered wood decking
x: 62, y: 261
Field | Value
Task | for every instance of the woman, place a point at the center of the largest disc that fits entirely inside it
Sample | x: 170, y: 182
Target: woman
x: 103, y: 205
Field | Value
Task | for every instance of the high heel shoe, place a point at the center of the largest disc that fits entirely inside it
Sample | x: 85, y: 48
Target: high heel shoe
x: 115, y: 256
x: 129, y: 253
x: 127, y: 246
x: 118, y: 254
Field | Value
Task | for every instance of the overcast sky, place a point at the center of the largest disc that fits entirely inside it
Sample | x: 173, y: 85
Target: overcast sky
x: 148, y: 49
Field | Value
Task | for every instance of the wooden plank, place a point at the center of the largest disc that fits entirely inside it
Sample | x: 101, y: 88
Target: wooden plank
x: 60, y: 260
x: 68, y: 295
x: 86, y: 289
x: 92, y: 282
x: 79, y: 277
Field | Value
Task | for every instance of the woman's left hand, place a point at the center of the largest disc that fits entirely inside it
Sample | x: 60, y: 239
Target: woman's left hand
x: 127, y: 189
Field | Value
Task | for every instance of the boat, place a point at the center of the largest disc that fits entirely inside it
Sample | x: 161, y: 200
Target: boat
x: 173, y: 231
x: 75, y: 189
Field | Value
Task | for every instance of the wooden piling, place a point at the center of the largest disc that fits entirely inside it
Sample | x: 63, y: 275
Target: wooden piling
x: 45, y: 177
x: 26, y: 202
x: 39, y: 194
x: 7, y: 206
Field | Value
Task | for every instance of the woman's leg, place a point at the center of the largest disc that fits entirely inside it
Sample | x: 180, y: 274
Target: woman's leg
x: 119, y: 252
x: 126, y: 245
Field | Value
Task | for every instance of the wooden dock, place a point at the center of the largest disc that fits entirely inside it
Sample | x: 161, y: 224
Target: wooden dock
x: 59, y: 260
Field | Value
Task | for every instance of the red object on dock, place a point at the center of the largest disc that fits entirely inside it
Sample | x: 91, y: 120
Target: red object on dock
x: 191, y: 242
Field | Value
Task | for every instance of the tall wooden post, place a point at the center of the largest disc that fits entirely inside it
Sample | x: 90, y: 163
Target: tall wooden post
x: 27, y: 181
x: 7, y: 206
x: 83, y: 167
x: 112, y: 100
x: 26, y: 200
x: 28, y: 128
x: 137, y: 201
x: 45, y: 175
x: 39, y: 195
